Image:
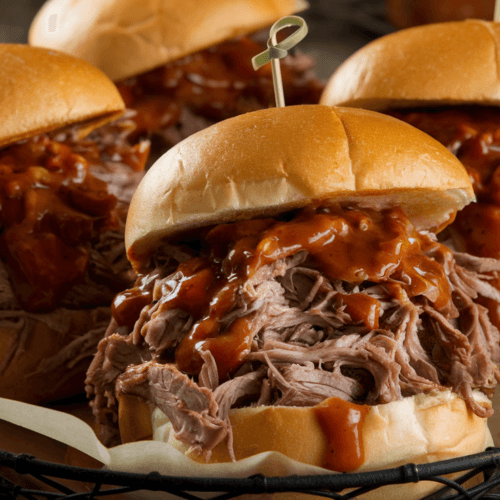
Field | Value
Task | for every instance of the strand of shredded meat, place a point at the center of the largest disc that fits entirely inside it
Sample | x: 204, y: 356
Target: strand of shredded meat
x: 306, y: 348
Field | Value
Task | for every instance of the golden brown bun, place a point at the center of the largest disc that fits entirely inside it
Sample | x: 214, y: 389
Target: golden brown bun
x: 269, y: 161
x: 420, y: 429
x: 444, y: 63
x: 43, y: 90
x: 128, y: 37
x: 45, y: 356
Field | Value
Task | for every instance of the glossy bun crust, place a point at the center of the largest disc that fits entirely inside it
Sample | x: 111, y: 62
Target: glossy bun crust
x: 128, y: 37
x: 270, y: 161
x: 443, y: 63
x: 43, y: 90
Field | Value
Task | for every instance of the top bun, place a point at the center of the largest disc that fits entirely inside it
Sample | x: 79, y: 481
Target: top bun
x: 264, y: 163
x: 124, y: 38
x: 445, y: 63
x: 43, y: 90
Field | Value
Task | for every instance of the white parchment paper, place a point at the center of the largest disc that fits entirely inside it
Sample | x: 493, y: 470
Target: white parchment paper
x: 143, y: 456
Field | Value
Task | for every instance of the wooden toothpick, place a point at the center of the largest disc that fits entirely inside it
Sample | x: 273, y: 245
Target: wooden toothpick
x: 277, y: 51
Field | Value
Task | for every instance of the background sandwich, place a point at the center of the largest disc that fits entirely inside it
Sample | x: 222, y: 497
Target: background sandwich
x: 181, y: 65
x: 64, y: 196
x: 289, y: 280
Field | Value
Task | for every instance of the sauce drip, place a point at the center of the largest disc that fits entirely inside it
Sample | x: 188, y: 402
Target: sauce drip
x: 51, y: 208
x: 353, y: 245
x: 216, y: 83
x: 342, y: 424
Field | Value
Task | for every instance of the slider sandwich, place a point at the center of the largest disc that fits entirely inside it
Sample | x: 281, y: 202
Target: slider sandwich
x: 63, y: 202
x: 180, y: 65
x: 292, y: 296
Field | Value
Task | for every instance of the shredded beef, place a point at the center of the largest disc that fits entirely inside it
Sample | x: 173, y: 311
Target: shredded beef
x: 306, y: 348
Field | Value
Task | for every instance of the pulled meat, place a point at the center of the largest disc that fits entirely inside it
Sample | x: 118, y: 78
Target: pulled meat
x: 409, y: 323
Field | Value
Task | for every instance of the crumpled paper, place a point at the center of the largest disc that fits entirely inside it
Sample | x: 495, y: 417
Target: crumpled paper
x: 142, y: 456
x: 148, y: 456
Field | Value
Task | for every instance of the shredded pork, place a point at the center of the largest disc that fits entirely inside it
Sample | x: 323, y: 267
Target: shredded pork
x: 306, y: 347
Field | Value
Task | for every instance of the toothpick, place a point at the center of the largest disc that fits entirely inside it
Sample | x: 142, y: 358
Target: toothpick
x: 496, y: 14
x: 278, y: 51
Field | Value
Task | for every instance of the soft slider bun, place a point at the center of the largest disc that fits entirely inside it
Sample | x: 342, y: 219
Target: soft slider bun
x: 439, y: 64
x: 267, y: 163
x: 124, y: 38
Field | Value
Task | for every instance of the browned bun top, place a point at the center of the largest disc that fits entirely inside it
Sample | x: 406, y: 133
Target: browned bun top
x: 128, y: 37
x: 445, y: 63
x: 43, y: 90
x: 270, y: 161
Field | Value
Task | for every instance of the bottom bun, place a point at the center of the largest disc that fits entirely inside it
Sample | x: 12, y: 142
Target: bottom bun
x: 418, y: 429
x: 44, y: 357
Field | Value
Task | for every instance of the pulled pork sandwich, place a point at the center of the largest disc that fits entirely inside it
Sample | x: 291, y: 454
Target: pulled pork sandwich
x: 63, y: 201
x: 443, y: 80
x: 292, y: 297
x: 181, y: 65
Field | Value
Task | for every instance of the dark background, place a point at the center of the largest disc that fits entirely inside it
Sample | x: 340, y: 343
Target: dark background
x: 337, y: 28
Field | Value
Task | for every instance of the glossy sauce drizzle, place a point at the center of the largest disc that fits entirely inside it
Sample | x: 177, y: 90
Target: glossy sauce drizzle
x: 353, y: 245
x: 342, y: 425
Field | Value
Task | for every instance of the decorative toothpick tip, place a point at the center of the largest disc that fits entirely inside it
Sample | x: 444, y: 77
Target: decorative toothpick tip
x: 277, y: 51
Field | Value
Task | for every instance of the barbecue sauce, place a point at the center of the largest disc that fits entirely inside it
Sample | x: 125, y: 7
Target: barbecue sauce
x: 353, y: 245
x: 51, y: 208
x: 342, y: 425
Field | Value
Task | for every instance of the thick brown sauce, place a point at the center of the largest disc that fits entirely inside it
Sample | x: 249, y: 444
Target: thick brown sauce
x: 342, y: 425
x: 216, y: 83
x: 473, y: 135
x: 345, y: 244
x: 51, y: 208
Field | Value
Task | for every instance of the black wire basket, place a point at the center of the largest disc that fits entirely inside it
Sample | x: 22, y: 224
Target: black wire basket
x: 107, y: 483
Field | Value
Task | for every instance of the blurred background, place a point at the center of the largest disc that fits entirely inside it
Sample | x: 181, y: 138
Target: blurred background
x: 337, y: 27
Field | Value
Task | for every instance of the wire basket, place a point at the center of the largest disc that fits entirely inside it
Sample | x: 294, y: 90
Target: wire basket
x: 108, y: 483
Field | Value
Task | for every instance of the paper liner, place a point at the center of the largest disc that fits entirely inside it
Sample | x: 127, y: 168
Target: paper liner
x: 143, y: 456
x: 148, y: 456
